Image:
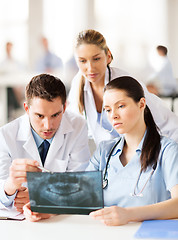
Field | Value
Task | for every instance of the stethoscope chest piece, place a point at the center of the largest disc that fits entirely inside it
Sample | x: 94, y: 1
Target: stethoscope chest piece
x: 105, y: 180
x: 105, y: 183
x: 136, y: 195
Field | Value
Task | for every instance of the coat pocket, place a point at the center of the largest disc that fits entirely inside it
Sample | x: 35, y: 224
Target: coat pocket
x: 59, y: 165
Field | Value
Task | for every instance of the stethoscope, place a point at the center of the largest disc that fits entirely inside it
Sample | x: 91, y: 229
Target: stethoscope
x: 105, y: 179
x: 140, y: 194
x: 134, y: 194
x: 109, y: 71
x: 101, y: 117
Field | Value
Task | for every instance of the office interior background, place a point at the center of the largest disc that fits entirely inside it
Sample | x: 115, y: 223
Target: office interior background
x: 132, y: 28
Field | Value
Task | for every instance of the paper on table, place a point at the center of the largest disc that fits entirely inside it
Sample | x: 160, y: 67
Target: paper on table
x: 167, y: 229
x: 10, y: 214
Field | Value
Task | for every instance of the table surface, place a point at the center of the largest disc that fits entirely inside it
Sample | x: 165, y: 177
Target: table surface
x: 12, y: 80
x: 67, y: 226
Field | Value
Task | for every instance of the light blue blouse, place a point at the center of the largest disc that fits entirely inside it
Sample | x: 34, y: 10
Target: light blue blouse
x: 122, y: 180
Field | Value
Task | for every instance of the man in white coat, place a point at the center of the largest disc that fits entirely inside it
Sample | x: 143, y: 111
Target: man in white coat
x: 22, y: 139
x: 162, y: 81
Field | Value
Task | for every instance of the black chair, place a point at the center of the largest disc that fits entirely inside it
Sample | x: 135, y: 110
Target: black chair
x: 173, y: 96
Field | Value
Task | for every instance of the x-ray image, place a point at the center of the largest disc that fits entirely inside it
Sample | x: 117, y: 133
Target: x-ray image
x: 71, y: 192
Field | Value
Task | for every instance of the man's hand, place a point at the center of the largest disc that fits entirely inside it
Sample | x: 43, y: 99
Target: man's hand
x: 21, y: 198
x: 34, y: 216
x: 17, y: 174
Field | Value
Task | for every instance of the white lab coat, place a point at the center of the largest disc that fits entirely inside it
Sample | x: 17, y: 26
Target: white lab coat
x: 68, y: 151
x: 166, y: 120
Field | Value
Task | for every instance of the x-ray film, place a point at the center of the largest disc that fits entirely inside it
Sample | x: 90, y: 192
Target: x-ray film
x: 65, y: 193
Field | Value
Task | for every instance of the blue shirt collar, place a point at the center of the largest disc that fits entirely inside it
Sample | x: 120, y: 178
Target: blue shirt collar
x: 38, y: 139
x: 121, y: 145
x: 139, y: 148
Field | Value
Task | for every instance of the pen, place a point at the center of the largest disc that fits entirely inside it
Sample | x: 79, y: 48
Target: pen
x: 43, y: 169
x: 9, y: 218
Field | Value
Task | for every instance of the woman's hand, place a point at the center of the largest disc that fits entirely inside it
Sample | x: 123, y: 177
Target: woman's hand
x: 21, y: 198
x: 111, y: 216
x: 34, y: 216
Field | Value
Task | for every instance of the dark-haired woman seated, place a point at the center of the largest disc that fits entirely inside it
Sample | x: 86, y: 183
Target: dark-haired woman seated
x: 141, y: 178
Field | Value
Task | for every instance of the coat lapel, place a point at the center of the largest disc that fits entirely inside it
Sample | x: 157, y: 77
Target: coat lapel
x: 90, y: 106
x: 25, y: 136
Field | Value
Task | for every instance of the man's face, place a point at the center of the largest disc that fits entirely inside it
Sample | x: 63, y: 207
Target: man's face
x: 161, y: 53
x: 45, y: 117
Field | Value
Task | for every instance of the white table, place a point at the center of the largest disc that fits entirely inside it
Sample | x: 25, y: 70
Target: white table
x: 65, y: 227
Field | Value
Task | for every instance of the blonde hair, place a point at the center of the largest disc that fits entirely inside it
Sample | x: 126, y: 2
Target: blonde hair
x: 89, y: 37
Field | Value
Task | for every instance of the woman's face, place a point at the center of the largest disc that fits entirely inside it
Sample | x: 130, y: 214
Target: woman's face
x: 123, y: 112
x: 92, y: 62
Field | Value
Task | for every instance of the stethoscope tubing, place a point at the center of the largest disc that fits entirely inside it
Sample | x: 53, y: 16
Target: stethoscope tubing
x: 109, y: 70
x: 105, y: 180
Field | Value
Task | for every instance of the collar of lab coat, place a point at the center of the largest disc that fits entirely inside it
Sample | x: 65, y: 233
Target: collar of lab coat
x: 64, y: 128
x: 24, y: 131
x: 90, y: 106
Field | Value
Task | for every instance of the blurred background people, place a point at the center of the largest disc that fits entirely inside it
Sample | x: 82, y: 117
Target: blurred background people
x: 25, y: 25
x: 49, y: 62
x: 161, y: 81
x: 70, y: 70
x: 9, y: 67
x: 10, y: 64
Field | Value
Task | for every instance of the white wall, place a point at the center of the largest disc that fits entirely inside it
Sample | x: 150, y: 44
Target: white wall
x: 172, y: 10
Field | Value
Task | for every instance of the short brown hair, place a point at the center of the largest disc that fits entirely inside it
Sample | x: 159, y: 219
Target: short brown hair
x: 162, y: 49
x: 45, y: 86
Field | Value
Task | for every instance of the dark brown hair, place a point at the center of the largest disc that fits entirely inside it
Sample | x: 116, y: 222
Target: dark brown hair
x: 151, y: 145
x: 162, y: 49
x: 89, y: 36
x: 45, y: 86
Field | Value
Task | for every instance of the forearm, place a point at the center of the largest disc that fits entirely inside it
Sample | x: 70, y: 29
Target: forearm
x: 9, y: 187
x: 163, y: 210
x: 5, y: 164
x: 5, y: 199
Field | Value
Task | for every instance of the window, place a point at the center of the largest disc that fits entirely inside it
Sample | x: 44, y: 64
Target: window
x: 13, y: 27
